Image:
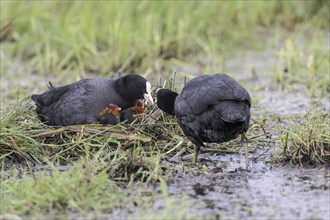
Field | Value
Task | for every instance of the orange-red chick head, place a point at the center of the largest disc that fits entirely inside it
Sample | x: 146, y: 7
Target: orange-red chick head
x: 115, y: 109
x: 140, y: 107
x: 111, y: 109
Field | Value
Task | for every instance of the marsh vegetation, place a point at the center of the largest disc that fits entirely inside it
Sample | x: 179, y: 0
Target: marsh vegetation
x: 278, y: 50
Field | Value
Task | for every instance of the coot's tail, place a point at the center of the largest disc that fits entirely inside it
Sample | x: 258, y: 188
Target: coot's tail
x: 234, y: 111
x: 236, y: 115
x: 41, y: 110
x: 36, y: 99
x: 45, y: 99
x: 39, y: 99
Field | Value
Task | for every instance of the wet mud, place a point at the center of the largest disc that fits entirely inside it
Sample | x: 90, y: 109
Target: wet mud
x: 222, y: 187
x: 262, y: 191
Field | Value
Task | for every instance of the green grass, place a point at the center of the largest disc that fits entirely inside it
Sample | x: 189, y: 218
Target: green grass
x: 84, y: 190
x: 307, y: 65
x: 306, y: 141
x: 78, y: 190
x: 13, y: 140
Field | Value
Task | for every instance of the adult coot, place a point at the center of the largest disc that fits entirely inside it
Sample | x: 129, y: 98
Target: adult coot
x: 81, y: 102
x: 210, y: 108
x: 110, y: 115
x: 128, y: 115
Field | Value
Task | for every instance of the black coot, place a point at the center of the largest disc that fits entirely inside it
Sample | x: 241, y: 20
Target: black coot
x: 81, y: 102
x: 210, y: 108
x: 110, y: 115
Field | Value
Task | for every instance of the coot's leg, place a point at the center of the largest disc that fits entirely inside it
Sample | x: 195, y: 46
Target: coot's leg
x: 244, y: 142
x: 194, y: 160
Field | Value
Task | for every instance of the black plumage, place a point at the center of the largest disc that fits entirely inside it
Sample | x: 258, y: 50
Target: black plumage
x: 210, y: 108
x: 81, y: 102
x: 165, y: 100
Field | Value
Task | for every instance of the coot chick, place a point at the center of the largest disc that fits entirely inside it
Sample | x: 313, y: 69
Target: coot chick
x: 128, y: 115
x: 211, y: 108
x: 110, y: 115
x: 81, y: 102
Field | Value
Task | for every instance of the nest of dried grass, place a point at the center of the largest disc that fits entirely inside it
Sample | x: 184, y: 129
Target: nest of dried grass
x: 132, y: 150
x: 23, y: 136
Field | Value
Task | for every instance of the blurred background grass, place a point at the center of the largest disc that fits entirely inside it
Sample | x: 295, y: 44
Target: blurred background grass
x: 103, y: 37
x: 67, y: 40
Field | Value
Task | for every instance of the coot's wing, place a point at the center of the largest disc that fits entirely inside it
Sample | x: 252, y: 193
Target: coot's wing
x: 190, y: 128
x: 50, y: 96
x: 70, y: 110
x: 204, y: 91
x: 54, y: 94
x: 77, y: 103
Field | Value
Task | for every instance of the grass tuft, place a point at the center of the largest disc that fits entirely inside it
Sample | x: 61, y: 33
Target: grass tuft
x: 307, y: 141
x: 16, y: 123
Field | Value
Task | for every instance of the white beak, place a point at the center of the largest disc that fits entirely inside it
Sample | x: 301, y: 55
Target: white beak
x: 149, y: 99
x: 147, y: 95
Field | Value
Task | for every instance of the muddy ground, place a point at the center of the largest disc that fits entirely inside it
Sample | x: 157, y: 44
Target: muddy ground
x: 226, y: 189
x: 260, y: 192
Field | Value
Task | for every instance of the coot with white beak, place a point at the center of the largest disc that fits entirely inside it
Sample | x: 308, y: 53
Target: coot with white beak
x: 83, y: 101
